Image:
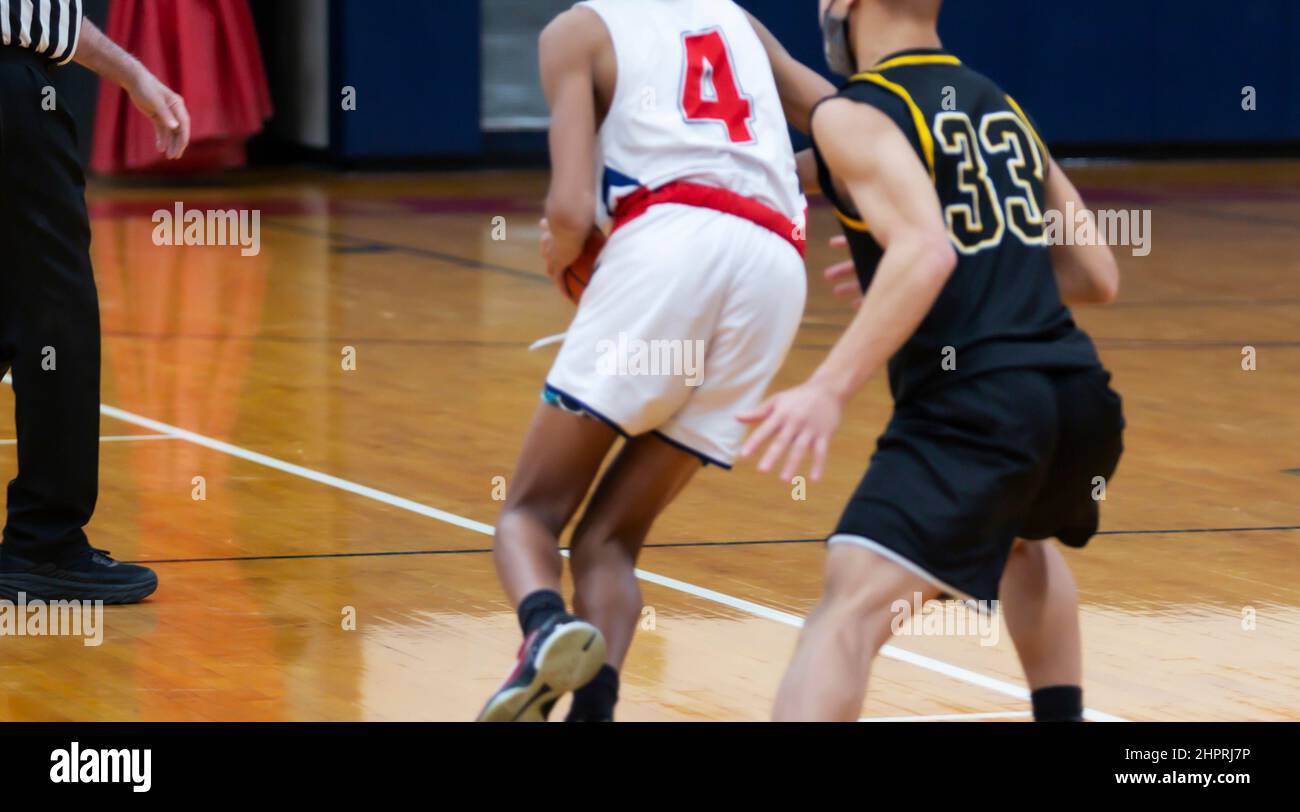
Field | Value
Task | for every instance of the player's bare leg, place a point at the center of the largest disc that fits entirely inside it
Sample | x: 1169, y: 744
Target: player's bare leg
x: 1041, y: 605
x: 561, y: 456
x: 644, y: 479
x: 827, y: 678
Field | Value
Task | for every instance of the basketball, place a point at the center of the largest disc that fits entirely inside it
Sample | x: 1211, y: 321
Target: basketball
x: 578, y: 275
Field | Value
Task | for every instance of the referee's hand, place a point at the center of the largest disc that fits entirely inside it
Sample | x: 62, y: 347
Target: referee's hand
x: 166, y: 109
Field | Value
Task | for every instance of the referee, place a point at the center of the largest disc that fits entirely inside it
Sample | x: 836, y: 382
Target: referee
x: 49, y: 308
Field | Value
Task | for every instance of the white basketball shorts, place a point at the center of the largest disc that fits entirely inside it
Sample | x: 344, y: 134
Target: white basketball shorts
x: 688, y: 316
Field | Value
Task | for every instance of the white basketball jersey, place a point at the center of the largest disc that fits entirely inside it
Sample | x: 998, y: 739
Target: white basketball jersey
x: 694, y: 101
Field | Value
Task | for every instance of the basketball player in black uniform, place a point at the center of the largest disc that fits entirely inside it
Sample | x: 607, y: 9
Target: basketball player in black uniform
x: 1004, y: 429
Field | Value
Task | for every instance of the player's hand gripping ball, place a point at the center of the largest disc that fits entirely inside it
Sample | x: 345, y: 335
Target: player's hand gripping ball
x: 578, y: 275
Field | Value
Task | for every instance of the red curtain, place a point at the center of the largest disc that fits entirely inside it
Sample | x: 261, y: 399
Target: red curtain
x: 205, y: 50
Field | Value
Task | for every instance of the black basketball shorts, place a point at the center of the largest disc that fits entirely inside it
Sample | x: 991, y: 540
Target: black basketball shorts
x: 962, y: 470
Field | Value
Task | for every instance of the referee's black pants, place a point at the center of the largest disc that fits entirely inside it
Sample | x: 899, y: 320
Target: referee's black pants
x: 49, y: 317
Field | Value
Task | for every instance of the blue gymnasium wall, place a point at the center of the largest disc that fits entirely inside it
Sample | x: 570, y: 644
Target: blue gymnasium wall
x: 417, y: 82
x: 1116, y: 72
x: 1111, y: 73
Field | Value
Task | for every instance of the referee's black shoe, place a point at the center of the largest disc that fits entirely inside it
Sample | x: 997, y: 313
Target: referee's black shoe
x: 90, y: 575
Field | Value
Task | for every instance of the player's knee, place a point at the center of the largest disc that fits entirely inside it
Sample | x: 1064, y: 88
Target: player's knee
x: 857, y: 604
x: 600, y: 540
x: 858, y: 620
x: 860, y: 596
x: 604, y: 557
x: 519, y: 519
x: 852, y: 579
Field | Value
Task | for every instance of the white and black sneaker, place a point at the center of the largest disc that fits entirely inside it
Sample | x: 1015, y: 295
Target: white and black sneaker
x: 561, y: 655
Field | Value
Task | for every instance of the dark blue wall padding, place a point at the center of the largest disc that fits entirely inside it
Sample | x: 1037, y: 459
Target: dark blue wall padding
x: 1118, y: 72
x: 417, y: 81
x: 1091, y: 72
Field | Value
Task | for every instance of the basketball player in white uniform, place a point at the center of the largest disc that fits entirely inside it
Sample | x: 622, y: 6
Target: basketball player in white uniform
x: 668, y: 130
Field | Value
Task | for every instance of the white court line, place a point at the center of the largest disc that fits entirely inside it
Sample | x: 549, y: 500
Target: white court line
x: 116, y: 438
x: 948, y: 717
x: 749, y: 607
x: 131, y: 438
x: 296, y: 470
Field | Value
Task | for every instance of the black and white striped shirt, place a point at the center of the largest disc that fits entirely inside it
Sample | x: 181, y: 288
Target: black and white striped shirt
x: 50, y: 27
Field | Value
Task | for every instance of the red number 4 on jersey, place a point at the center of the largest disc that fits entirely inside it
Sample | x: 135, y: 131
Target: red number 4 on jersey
x: 707, y: 53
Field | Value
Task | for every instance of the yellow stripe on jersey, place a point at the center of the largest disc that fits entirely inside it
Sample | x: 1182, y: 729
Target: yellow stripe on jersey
x: 918, y: 118
x: 918, y: 59
x: 856, y: 225
x: 1041, y: 146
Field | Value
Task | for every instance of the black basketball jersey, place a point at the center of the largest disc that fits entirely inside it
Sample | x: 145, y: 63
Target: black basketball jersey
x: 1001, y: 307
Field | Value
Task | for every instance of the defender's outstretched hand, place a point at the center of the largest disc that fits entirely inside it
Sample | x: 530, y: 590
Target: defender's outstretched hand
x: 843, y: 277
x: 797, y: 421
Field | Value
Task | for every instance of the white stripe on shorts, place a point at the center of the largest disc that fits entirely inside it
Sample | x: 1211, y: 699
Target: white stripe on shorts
x: 909, y: 565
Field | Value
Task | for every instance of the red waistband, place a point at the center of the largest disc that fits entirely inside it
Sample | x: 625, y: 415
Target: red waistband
x: 709, y: 197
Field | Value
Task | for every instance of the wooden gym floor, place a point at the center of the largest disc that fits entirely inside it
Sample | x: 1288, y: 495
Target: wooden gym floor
x: 332, y: 493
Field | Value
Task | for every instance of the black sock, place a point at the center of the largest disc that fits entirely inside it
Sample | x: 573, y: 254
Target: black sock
x: 538, y: 607
x: 594, y: 702
x: 1059, y: 703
